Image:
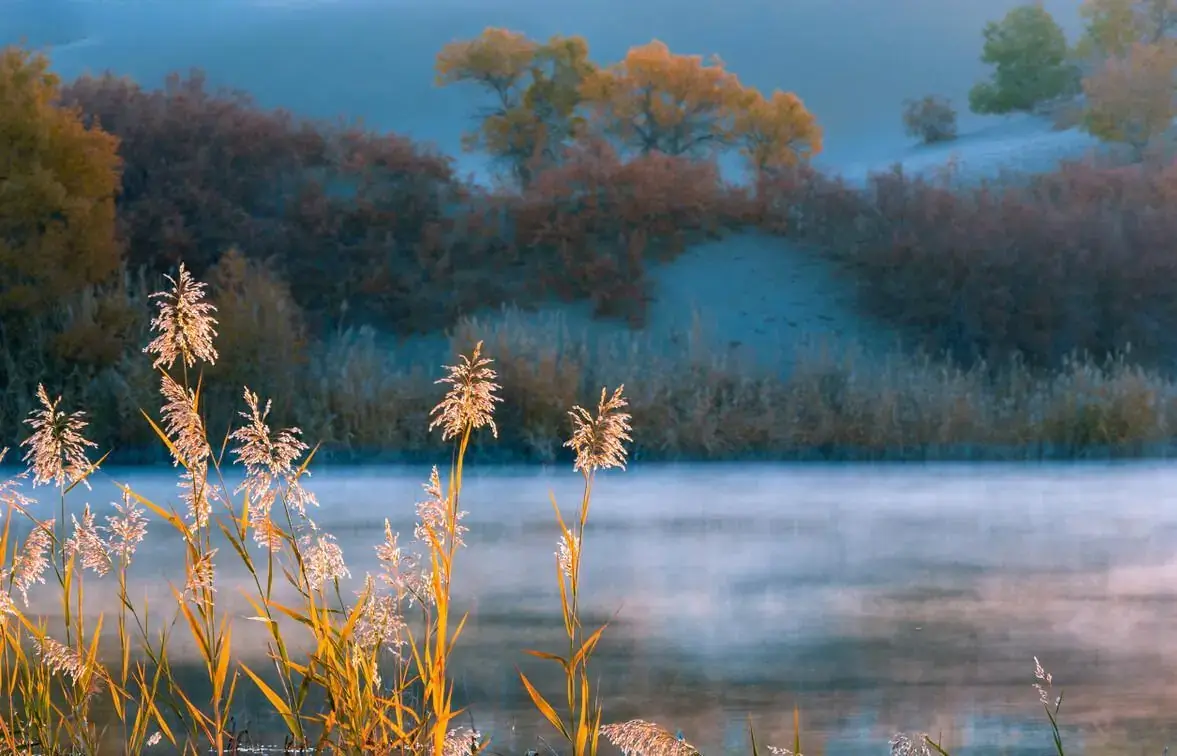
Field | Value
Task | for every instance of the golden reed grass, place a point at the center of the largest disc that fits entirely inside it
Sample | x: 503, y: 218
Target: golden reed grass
x: 375, y: 677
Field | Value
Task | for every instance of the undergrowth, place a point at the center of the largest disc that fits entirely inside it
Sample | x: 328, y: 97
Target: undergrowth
x: 366, y: 673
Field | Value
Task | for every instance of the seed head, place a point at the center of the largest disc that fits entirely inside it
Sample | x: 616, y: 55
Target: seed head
x: 640, y: 738
x: 10, y: 494
x: 184, y: 324
x: 599, y: 442
x: 461, y: 742
x: 566, y: 556
x: 56, y: 450
x: 28, y: 567
x: 381, y: 624
x: 61, y: 659
x: 183, y: 424
x: 269, y: 457
x: 324, y: 561
x: 1044, y: 691
x: 913, y: 744
x: 433, y: 516
x: 7, y: 605
x: 127, y: 530
x: 201, y: 577
x: 469, y: 403
x: 88, y: 544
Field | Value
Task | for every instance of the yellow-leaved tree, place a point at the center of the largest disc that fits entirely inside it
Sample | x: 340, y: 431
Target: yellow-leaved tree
x: 1113, y: 26
x: 536, y: 91
x: 58, y: 180
x: 1133, y: 99
x: 658, y: 101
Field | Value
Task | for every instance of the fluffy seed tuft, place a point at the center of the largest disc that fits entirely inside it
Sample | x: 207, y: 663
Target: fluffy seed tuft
x: 599, y: 442
x: 638, y: 737
x: 87, y: 544
x: 184, y: 324
x: 56, y: 449
x: 469, y: 403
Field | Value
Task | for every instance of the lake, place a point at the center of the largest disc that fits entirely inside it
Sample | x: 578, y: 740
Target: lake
x: 876, y: 598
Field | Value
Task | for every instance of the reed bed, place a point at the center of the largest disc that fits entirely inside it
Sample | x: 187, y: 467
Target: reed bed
x: 364, y: 396
x: 366, y: 673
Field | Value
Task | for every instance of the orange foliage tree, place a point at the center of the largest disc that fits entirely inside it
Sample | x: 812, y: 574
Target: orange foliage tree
x: 57, y: 210
x: 1133, y: 99
x: 1113, y: 26
x: 658, y: 101
x: 536, y: 90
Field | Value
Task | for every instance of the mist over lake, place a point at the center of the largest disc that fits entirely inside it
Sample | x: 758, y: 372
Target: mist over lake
x: 876, y: 598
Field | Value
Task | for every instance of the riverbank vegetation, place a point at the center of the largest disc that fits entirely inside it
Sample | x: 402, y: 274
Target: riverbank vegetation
x: 367, y: 672
x: 1033, y: 316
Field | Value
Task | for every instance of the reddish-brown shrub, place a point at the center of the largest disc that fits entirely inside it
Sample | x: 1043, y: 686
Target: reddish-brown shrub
x: 363, y: 223
x: 591, y: 223
x: 1082, y: 259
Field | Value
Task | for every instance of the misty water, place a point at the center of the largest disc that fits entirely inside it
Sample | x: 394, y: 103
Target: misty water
x: 876, y: 598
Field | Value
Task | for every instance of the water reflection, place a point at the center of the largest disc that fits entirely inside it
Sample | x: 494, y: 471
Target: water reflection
x: 875, y: 598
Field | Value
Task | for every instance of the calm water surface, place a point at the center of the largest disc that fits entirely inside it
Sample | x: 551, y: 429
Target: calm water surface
x: 875, y: 598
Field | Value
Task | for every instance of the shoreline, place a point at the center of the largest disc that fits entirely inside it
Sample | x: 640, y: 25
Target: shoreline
x: 151, y: 458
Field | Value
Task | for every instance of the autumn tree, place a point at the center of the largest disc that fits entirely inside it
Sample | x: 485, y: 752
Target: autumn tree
x: 1028, y: 51
x: 1133, y: 99
x: 536, y: 90
x: 658, y: 101
x: 57, y: 191
x: 1113, y: 26
x: 775, y: 132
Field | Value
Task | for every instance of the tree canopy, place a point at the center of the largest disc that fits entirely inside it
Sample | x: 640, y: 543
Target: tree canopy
x: 536, y: 89
x: 1132, y: 99
x: 57, y: 209
x: 1113, y: 26
x: 550, y: 95
x: 1028, y: 51
x: 654, y: 100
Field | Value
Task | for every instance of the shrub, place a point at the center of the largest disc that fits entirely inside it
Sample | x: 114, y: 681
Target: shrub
x: 345, y: 215
x: 931, y: 119
x: 1079, y: 259
x: 590, y: 224
x: 1028, y: 51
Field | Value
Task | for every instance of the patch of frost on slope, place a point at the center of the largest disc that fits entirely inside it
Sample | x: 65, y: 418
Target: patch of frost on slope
x: 749, y: 297
x: 761, y: 298
x: 1024, y: 144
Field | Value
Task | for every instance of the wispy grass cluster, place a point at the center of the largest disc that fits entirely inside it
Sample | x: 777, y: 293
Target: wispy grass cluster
x: 360, y: 394
x: 363, y: 673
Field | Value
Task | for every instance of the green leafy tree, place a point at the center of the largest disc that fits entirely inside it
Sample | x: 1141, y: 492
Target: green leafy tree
x: 1028, y: 51
x: 58, y: 180
x: 536, y: 88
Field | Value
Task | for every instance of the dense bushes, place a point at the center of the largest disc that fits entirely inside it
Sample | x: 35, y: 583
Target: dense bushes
x: 1081, y: 259
x: 346, y: 215
x: 338, y: 229
x: 370, y: 228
